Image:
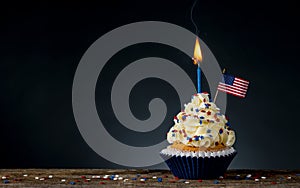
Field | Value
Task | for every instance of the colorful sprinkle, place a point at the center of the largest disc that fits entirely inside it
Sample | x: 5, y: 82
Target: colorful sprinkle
x: 201, y: 137
x: 208, y: 131
x: 72, y: 183
x: 200, y: 122
x: 196, y: 138
x: 221, y: 131
x: 197, y: 110
x: 208, y: 113
x: 5, y: 181
x: 216, y: 181
x: 159, y: 179
x: 133, y: 178
x: 181, y: 181
x: 200, y: 180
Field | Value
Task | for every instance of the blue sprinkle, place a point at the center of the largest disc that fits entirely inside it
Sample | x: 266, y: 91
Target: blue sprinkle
x: 133, y: 179
x: 72, y: 183
x: 216, y: 182
x: 5, y: 181
x: 201, y: 117
x: 112, y: 177
x: 221, y: 131
x: 228, y: 124
x: 187, y: 138
x: 200, y: 122
x: 210, y: 100
x: 206, y: 105
x: 201, y: 137
x: 197, y: 138
x: 159, y: 179
x: 208, y: 131
x: 210, y: 136
x: 138, y: 175
x: 197, y: 110
x: 212, y: 121
x: 183, y: 117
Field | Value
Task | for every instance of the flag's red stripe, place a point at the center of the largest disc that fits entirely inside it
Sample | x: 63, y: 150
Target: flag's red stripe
x: 234, y: 87
x: 230, y: 89
x: 241, y: 83
x: 241, y: 86
x: 230, y: 92
x: 242, y: 80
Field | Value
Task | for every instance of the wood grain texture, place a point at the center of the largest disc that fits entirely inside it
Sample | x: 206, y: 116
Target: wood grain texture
x: 90, y: 178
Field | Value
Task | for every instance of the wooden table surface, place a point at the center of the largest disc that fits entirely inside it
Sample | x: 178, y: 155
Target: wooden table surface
x: 142, y: 178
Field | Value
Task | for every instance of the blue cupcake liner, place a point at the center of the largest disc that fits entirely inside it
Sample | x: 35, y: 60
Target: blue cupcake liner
x: 198, y: 167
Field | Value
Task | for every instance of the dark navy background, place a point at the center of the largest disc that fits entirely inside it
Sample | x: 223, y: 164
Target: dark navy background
x: 42, y: 42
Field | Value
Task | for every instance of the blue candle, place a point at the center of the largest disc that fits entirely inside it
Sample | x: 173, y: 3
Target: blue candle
x: 199, y: 78
x: 197, y: 59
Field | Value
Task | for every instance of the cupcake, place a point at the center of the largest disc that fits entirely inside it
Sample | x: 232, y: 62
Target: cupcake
x: 201, y: 141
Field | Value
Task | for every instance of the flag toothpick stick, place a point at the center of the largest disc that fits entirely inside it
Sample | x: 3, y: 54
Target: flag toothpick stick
x: 215, y: 98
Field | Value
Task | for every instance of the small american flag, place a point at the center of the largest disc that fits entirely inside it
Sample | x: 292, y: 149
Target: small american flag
x: 234, y: 85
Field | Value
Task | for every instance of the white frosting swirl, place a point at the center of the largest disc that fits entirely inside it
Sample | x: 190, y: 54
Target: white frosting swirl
x: 201, y: 125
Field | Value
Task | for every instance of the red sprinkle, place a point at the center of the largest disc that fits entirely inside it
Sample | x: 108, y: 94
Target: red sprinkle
x: 101, y: 182
x: 199, y: 180
x: 83, y: 177
x: 176, y: 178
x: 208, y: 113
x: 273, y: 182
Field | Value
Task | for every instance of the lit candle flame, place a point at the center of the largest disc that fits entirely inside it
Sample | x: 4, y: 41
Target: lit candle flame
x: 197, y: 52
